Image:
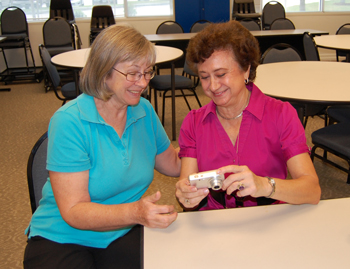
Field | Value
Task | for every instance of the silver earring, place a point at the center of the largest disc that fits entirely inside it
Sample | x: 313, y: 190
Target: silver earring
x: 246, y: 81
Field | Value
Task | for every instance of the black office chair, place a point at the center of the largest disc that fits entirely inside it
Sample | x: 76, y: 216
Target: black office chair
x: 245, y: 9
x: 272, y: 10
x: 343, y: 30
x: 57, y: 36
x: 188, y: 81
x: 68, y: 90
x: 101, y: 18
x: 37, y: 174
x: 311, y: 54
x: 335, y: 139
x: 339, y: 113
x: 282, y: 24
x: 169, y: 27
x: 285, y: 53
x: 280, y: 52
x: 14, y: 27
x: 310, y: 48
x: 199, y: 26
x: 251, y: 25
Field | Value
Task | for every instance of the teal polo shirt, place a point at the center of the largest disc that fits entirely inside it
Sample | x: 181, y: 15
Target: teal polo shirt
x: 120, y: 168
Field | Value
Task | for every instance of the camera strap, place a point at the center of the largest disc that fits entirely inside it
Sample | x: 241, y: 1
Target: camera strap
x: 219, y: 196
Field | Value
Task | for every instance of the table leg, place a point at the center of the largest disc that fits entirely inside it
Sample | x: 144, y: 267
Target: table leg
x: 173, y: 100
x: 300, y: 111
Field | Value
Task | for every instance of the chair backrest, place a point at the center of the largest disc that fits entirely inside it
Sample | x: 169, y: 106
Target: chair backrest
x: 50, y: 68
x: 36, y: 171
x: 187, y: 72
x: 243, y: 7
x: 101, y: 17
x: 57, y: 32
x: 344, y: 29
x: 251, y: 25
x: 62, y: 8
x: 282, y: 24
x: 199, y: 26
x: 310, y: 48
x: 271, y: 11
x: 169, y: 27
x: 14, y: 21
x: 280, y: 52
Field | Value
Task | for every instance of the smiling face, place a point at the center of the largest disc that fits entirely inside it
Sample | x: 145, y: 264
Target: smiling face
x: 222, y: 78
x: 127, y: 92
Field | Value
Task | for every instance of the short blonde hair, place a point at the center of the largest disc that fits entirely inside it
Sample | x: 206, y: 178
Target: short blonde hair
x: 116, y: 44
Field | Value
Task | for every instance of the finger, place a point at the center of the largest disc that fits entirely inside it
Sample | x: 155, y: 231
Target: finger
x: 238, y: 186
x: 154, y: 197
x: 165, y: 220
x: 229, y: 169
x: 194, y: 201
x: 165, y: 209
x: 184, y: 186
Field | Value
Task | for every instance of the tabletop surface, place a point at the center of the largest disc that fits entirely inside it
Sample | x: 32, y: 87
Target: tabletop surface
x: 262, y: 33
x: 309, y: 81
x: 77, y: 58
x: 276, y: 236
x: 333, y: 41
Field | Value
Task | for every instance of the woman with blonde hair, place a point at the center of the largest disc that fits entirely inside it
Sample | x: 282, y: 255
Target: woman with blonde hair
x: 103, y: 148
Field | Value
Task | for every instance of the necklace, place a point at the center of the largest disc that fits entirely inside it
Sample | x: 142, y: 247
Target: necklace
x: 236, y: 117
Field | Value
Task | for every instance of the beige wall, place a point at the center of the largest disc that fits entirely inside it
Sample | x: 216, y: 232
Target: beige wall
x: 321, y: 21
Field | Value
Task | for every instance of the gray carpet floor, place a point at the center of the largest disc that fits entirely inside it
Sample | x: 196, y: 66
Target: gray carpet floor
x: 24, y: 116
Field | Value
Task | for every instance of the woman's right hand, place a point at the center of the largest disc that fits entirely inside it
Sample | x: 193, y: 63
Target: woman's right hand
x: 189, y: 196
x: 151, y: 215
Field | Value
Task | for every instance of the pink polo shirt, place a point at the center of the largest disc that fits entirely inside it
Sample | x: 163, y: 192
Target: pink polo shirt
x: 270, y: 134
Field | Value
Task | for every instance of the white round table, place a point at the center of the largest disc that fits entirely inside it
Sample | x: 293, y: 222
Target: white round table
x: 335, y: 42
x: 312, y: 82
x: 76, y: 60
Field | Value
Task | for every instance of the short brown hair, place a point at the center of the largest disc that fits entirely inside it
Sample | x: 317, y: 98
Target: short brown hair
x: 116, y: 44
x: 230, y: 36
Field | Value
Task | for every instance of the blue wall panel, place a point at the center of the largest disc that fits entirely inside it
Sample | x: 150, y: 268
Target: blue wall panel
x: 188, y: 12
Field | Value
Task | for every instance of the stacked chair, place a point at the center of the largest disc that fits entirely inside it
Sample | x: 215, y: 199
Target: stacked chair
x: 101, y: 18
x: 245, y: 9
x: 14, y: 29
x: 63, y: 8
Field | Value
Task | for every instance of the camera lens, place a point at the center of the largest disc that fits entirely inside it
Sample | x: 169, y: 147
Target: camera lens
x: 216, y: 184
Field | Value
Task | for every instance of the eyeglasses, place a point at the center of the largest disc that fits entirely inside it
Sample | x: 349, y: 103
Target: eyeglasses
x: 136, y: 76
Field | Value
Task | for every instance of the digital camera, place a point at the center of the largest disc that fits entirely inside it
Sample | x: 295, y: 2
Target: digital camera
x: 208, y: 179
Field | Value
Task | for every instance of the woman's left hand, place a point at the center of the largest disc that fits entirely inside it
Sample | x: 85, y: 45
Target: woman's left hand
x: 241, y: 178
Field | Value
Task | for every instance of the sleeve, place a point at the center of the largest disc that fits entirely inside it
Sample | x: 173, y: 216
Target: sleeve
x: 67, y: 144
x: 187, y: 137
x: 292, y: 133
